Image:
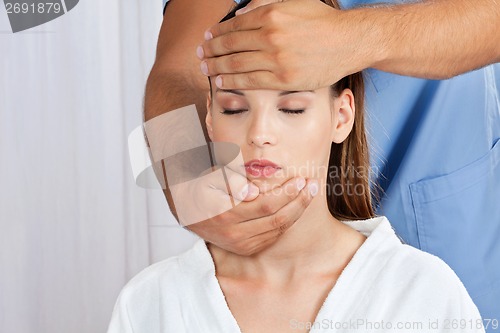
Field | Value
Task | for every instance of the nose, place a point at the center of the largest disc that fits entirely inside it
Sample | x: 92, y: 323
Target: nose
x: 261, y: 131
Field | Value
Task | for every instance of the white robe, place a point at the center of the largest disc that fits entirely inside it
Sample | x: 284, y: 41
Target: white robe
x: 386, y: 285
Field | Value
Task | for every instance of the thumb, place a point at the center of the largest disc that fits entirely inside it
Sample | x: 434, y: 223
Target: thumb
x: 248, y: 193
x: 254, y: 4
x: 241, y: 188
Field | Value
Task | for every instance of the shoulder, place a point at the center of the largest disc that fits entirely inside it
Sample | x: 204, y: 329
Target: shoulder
x: 136, y: 308
x: 167, y: 276
x: 403, y: 263
x: 146, y: 289
x: 420, y: 270
x: 165, y: 270
x: 422, y: 267
x: 425, y: 281
x: 158, y: 293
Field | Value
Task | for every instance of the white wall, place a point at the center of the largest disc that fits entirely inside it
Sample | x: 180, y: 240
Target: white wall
x: 74, y: 228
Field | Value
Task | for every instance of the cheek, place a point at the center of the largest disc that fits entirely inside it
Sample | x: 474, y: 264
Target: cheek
x: 226, y: 132
x: 310, y: 147
x: 312, y: 133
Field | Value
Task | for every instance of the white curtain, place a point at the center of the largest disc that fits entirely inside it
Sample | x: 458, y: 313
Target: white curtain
x: 74, y: 227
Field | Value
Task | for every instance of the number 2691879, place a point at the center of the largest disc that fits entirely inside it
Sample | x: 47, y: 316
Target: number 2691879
x: 34, y: 8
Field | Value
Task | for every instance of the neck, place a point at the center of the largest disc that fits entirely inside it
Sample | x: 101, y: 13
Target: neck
x: 316, y: 243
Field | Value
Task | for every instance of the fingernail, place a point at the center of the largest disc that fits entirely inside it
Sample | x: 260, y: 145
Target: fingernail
x: 301, y: 183
x: 241, y: 11
x: 199, y: 52
x: 244, y: 192
x: 208, y: 35
x: 204, y: 68
x: 218, y: 81
x: 313, y: 188
x: 252, y: 190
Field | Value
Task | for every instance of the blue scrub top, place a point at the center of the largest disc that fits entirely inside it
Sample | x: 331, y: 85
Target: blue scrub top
x: 437, y: 145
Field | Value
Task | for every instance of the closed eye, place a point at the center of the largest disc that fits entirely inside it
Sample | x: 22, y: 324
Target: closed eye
x: 289, y: 111
x: 229, y: 112
x: 299, y: 111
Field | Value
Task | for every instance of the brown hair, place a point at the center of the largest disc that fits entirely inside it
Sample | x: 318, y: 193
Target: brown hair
x: 348, y: 167
x: 349, y: 163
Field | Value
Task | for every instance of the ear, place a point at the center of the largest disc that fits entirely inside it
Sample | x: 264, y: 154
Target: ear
x: 208, y: 118
x: 343, y: 116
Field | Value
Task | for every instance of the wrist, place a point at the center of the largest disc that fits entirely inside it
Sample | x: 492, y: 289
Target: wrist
x: 364, y: 29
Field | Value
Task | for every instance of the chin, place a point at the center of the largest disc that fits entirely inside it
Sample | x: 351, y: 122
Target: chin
x: 270, y: 183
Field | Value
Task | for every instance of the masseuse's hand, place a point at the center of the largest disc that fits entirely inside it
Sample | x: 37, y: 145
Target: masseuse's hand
x: 306, y: 44
x: 258, y: 218
x: 284, y: 40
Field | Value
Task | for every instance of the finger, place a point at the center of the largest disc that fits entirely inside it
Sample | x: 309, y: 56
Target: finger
x: 232, y: 42
x: 214, y: 196
x: 251, y: 236
x: 254, y: 4
x: 198, y: 200
x: 216, y: 178
x: 277, y: 223
x: 268, y: 203
x: 256, y: 244
x: 237, y: 63
x: 232, y: 183
x: 241, y: 188
x: 250, y: 80
x: 251, y: 21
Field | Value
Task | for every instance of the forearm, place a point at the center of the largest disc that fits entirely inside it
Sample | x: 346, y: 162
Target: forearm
x: 431, y: 39
x: 168, y: 90
x: 175, y: 80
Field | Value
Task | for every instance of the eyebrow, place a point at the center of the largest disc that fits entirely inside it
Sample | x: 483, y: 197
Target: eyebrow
x: 283, y: 93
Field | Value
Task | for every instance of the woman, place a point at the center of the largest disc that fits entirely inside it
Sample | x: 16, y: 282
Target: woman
x: 338, y: 268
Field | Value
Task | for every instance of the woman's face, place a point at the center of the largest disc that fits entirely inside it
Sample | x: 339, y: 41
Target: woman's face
x: 281, y: 134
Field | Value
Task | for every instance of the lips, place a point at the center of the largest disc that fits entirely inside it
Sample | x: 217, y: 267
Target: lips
x: 261, y: 168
